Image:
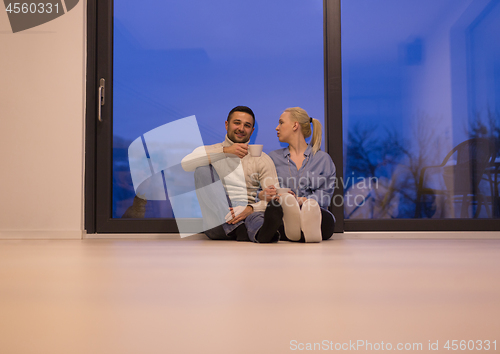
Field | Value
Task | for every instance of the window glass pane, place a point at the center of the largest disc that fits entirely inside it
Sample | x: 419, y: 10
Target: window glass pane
x: 176, y: 59
x: 420, y: 79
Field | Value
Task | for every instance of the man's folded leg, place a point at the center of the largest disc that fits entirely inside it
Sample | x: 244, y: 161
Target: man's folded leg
x: 218, y: 233
x: 214, y: 204
x: 263, y: 226
x: 240, y: 233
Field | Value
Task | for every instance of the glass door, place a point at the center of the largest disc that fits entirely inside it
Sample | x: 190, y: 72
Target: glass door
x: 420, y: 82
x: 169, y: 73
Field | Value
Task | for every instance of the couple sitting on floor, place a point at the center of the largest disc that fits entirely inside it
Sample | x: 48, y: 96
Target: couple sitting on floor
x: 226, y: 175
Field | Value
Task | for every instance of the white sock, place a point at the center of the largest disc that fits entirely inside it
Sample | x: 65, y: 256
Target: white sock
x: 291, y: 216
x: 310, y: 220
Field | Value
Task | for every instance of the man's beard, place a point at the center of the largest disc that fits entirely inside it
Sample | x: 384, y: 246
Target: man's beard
x: 232, y: 136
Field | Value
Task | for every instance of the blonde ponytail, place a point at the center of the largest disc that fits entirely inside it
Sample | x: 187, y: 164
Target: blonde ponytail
x: 317, y: 135
x: 300, y: 115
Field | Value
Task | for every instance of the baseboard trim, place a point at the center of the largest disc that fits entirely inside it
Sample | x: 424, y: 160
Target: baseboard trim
x: 438, y: 235
x: 145, y: 237
x: 41, y: 235
x: 463, y: 235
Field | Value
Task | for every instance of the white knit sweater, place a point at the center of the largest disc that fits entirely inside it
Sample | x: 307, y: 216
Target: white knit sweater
x: 241, y: 177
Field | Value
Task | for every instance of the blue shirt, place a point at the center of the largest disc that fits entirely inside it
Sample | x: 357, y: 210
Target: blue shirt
x: 315, y: 179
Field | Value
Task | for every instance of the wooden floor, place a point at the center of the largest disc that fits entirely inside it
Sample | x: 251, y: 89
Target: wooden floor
x: 196, y: 296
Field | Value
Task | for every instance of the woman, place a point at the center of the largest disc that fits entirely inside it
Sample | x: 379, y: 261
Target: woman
x: 309, y: 173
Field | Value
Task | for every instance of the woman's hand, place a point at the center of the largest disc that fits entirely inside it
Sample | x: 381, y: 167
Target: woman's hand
x: 290, y: 192
x: 268, y: 194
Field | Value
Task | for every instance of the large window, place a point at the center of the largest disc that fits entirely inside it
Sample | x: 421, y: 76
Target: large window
x: 421, y: 108
x: 169, y: 60
x: 408, y: 91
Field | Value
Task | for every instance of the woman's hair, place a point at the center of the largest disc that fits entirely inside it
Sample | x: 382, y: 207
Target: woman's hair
x: 300, y: 115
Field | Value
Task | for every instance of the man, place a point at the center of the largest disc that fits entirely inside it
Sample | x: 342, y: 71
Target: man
x: 241, y: 175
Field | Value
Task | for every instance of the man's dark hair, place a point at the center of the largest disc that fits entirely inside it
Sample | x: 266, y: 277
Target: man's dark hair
x: 243, y: 109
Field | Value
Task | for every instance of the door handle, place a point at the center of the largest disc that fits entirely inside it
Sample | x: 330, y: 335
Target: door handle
x: 100, y: 99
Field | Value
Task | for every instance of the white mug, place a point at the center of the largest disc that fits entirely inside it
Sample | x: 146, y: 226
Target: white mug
x: 255, y: 150
x: 282, y: 191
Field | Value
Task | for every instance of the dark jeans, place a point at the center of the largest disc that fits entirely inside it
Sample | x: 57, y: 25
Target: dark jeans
x: 215, y: 203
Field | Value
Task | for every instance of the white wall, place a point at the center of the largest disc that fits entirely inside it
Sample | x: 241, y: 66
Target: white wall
x: 42, y: 78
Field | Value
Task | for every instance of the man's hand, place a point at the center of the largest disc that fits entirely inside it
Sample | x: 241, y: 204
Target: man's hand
x: 238, y: 213
x: 240, y: 150
x: 268, y: 194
